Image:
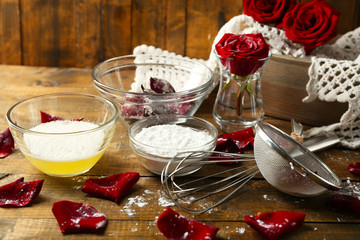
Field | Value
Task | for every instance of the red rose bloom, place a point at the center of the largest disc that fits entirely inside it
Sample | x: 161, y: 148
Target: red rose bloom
x: 265, y: 11
x: 311, y: 24
x: 242, y: 54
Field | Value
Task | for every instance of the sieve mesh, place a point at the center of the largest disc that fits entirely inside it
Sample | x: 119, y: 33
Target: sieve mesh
x: 274, y: 149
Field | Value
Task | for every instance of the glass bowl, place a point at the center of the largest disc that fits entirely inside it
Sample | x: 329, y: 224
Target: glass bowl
x: 121, y: 79
x: 156, y: 150
x: 66, y: 147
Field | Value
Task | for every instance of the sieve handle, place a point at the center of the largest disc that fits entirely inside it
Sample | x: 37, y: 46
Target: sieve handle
x: 321, y: 142
x: 296, y: 127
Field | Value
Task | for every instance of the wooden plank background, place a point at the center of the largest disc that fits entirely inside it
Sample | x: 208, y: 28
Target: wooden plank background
x: 82, y: 33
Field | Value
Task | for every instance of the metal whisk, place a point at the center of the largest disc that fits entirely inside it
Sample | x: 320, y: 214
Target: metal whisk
x: 275, y: 151
x: 223, y: 183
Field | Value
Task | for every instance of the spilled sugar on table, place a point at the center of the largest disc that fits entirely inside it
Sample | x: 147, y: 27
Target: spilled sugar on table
x: 135, y: 215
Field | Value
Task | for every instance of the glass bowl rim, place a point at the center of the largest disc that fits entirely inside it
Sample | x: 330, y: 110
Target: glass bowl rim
x: 28, y: 131
x: 133, y: 141
x: 204, y: 87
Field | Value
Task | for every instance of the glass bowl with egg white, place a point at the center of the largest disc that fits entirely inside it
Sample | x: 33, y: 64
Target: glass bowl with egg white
x: 63, y: 134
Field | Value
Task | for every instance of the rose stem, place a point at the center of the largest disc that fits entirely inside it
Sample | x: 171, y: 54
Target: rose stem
x: 239, y: 105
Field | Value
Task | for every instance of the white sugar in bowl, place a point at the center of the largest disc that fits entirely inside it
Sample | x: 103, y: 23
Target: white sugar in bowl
x: 157, y: 139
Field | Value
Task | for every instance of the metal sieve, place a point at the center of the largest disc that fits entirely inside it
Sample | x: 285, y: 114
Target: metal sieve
x: 289, y: 166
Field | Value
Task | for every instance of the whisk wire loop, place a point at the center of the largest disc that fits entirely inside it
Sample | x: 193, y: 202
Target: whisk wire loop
x: 231, y: 179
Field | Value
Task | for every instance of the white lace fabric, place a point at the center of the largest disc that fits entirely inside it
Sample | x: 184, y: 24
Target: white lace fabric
x: 337, y: 80
x: 180, y: 80
x: 334, y: 74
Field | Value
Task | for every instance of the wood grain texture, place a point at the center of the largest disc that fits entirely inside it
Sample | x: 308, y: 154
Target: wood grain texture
x: 88, y: 41
x: 82, y: 33
x: 48, y: 32
x: 116, y: 30
x: 204, y: 19
x: 175, y: 26
x: 148, y: 22
x: 284, y: 87
x: 148, y: 230
x: 132, y: 221
x: 10, y: 38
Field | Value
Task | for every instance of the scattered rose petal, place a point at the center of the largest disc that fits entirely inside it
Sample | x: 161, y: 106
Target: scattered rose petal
x: 74, y: 217
x: 274, y: 224
x: 241, y: 138
x: 46, y: 117
x: 175, y: 226
x: 354, y: 168
x: 19, y: 193
x: 229, y: 146
x: 345, y: 204
x: 6, y: 143
x: 112, y: 187
x: 234, y: 142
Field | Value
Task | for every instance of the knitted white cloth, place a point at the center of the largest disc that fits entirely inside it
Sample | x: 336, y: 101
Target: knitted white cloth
x: 181, y: 80
x: 333, y: 79
x: 334, y: 74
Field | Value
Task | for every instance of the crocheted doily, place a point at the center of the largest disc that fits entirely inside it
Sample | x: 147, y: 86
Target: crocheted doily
x: 179, y: 79
x: 333, y: 74
x: 337, y: 80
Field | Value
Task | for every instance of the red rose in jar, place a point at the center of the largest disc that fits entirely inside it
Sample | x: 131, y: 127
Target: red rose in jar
x: 265, y: 11
x: 242, y: 54
x: 311, y: 24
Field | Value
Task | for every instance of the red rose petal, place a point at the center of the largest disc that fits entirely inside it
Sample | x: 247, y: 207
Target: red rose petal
x: 228, y: 146
x: 6, y: 143
x: 134, y: 111
x: 241, y: 138
x: 274, y: 224
x: 234, y: 142
x: 354, y: 168
x: 46, y: 117
x: 74, y: 217
x: 175, y: 226
x: 19, y: 193
x: 161, y: 86
x: 344, y: 203
x: 146, y: 90
x: 138, y: 107
x: 179, y: 108
x: 266, y: 11
x: 311, y: 23
x: 112, y: 187
x: 242, y: 54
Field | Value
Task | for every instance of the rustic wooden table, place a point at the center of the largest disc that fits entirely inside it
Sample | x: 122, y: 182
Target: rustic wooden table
x: 135, y: 216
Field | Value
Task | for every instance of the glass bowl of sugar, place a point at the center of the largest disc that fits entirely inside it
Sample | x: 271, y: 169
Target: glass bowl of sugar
x: 63, y: 134
x: 160, y: 138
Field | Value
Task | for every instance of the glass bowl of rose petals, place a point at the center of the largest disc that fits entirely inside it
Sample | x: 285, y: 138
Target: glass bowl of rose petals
x: 63, y: 134
x: 146, y: 85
